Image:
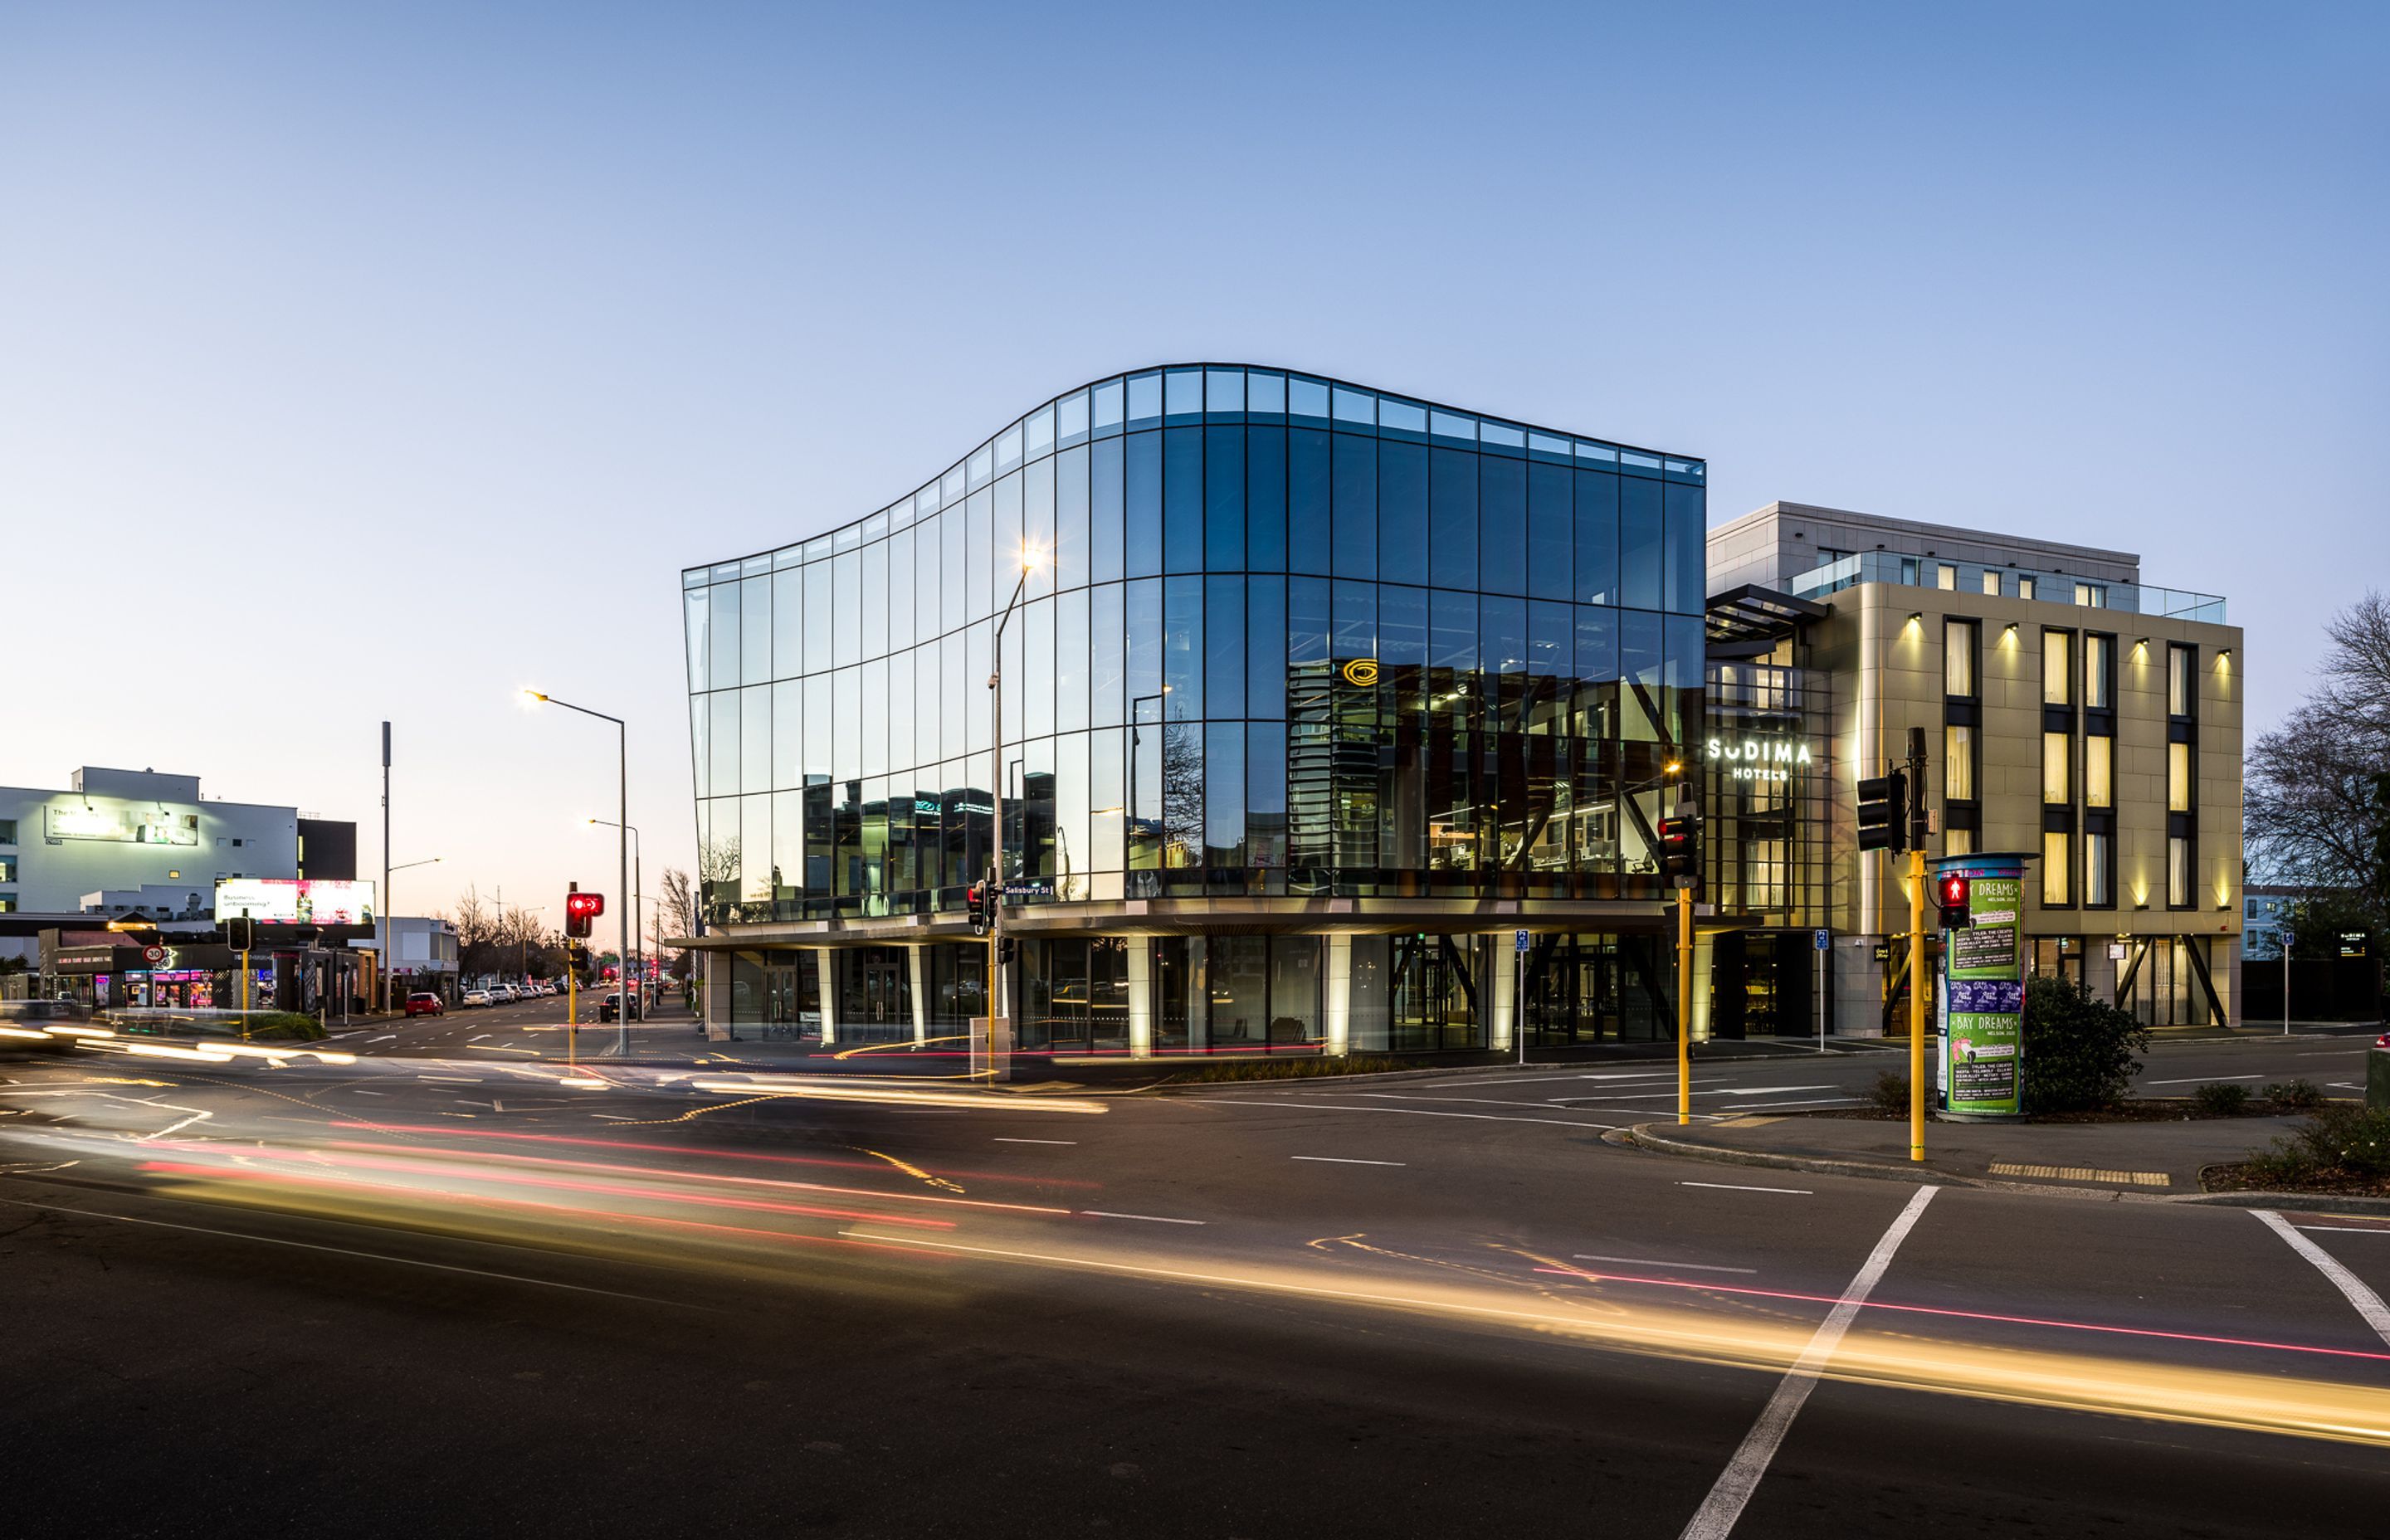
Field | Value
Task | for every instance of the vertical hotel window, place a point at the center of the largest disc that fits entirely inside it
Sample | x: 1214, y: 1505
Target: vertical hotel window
x: 1957, y: 841
x: 2182, y: 694
x: 2179, y: 778
x: 2025, y: 587
x: 1958, y: 659
x: 2057, y: 869
x: 2099, y: 870
x: 2057, y: 769
x: 1958, y: 763
x: 2098, y: 770
x: 2099, y: 673
x: 2057, y: 667
x: 1945, y: 576
x: 2177, y: 871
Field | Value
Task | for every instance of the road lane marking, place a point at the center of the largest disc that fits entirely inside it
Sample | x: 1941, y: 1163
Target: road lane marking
x: 1648, y: 1262
x: 2200, y: 1080
x: 1717, y: 1517
x: 2347, y: 1229
x: 344, y: 1251
x: 1404, y: 1112
x: 1771, y: 1090
x: 1347, y: 1161
x: 2369, y: 1303
x: 1001, y: 1139
x: 1148, y: 1218
x: 385, y: 1037
x: 1737, y: 1187
x: 453, y: 1080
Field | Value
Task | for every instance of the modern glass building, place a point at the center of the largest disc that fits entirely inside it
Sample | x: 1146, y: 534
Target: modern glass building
x: 1315, y: 699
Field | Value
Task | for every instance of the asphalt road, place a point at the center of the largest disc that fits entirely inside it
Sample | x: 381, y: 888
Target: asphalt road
x: 470, y: 1292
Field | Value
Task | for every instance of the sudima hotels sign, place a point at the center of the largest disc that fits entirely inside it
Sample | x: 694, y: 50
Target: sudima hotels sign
x: 1758, y: 758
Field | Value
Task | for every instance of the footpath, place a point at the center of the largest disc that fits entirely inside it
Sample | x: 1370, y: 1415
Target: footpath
x: 2156, y: 1160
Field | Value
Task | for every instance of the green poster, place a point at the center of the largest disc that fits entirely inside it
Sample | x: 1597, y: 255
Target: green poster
x: 1983, y: 1004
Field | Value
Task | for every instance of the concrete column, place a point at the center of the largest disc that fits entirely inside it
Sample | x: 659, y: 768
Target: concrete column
x: 1141, y: 998
x: 825, y: 959
x: 919, y: 996
x: 1338, y: 1028
x: 714, y: 975
x: 1503, y: 1008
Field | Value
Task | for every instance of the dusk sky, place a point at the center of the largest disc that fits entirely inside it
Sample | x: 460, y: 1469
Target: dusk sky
x: 356, y: 366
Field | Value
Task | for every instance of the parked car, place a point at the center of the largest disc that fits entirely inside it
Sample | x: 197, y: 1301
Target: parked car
x: 612, y: 1003
x: 426, y: 1005
x: 475, y: 998
x: 504, y: 994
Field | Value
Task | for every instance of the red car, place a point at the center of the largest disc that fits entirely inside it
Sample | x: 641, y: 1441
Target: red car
x: 425, y: 1005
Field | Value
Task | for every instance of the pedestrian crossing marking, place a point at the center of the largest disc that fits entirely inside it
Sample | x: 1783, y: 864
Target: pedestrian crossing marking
x: 2084, y: 1174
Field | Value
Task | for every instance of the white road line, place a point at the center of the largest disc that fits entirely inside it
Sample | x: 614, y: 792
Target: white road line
x: 1649, y: 1262
x: 1737, y: 1187
x: 338, y: 1251
x: 1404, y: 1112
x: 1735, y: 1484
x: 385, y: 1037
x: 2369, y: 1303
x: 1148, y: 1218
x: 2347, y: 1229
x: 1769, y: 1090
x: 1347, y: 1161
x: 1772, y: 1105
x: 2200, y: 1080
x: 453, y: 1080
x: 477, y: 1037
x: 1001, y: 1139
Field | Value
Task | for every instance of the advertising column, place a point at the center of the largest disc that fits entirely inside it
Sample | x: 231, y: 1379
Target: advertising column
x: 1981, y: 1069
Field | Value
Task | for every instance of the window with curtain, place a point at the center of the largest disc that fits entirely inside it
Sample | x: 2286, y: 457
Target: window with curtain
x: 2181, y: 695
x: 1958, y: 658
x: 1958, y: 763
x: 2099, y: 673
x: 2099, y: 870
x: 1945, y: 576
x: 2098, y: 772
x: 2057, y: 869
x: 2058, y: 668
x: 2057, y: 769
x: 1991, y: 583
x: 2179, y: 778
x: 2178, y: 872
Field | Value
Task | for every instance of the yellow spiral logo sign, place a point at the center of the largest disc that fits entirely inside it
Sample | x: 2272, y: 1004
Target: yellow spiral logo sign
x: 1361, y: 671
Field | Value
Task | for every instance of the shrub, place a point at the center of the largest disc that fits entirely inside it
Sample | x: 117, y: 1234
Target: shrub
x: 2336, y: 1141
x: 2220, y: 1099
x: 2295, y: 1095
x: 1890, y: 1093
x: 284, y: 1023
x: 2078, y: 1051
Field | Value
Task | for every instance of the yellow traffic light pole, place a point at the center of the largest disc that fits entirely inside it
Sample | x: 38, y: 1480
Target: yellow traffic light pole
x: 1684, y: 1004
x: 1917, y: 1004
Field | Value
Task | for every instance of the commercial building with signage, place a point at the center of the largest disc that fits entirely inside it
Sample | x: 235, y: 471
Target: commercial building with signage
x: 142, y: 844
x: 2071, y: 712
x: 1333, y: 720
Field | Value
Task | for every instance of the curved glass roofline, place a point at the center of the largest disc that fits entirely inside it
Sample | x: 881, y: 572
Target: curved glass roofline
x: 1190, y: 393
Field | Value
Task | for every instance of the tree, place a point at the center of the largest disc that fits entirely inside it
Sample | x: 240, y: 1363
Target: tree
x: 2078, y: 1049
x: 678, y: 907
x: 2316, y: 803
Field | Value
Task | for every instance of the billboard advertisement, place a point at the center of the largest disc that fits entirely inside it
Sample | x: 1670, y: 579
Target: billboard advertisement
x: 1980, y: 1070
x: 296, y: 901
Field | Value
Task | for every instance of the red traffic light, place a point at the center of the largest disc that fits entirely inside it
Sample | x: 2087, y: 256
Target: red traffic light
x: 1954, y: 888
x: 579, y: 908
x: 1951, y: 889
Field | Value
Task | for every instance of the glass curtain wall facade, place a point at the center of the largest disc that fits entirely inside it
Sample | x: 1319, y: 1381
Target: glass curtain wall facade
x: 1284, y: 636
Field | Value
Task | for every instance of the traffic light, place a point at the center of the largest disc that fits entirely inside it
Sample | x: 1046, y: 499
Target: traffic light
x: 1883, y: 812
x: 1680, y: 844
x: 241, y: 933
x: 975, y: 899
x: 1950, y: 891
x: 1005, y: 948
x: 579, y: 908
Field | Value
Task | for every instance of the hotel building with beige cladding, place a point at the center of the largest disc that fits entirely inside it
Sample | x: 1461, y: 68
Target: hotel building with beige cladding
x: 2070, y: 711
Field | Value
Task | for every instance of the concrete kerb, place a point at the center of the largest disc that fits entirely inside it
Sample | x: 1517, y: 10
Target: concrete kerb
x: 1643, y: 1136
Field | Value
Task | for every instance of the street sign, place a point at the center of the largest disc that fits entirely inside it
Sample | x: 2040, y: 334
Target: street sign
x: 153, y: 955
x: 1520, y: 943
x: 2117, y: 951
x: 1821, y: 940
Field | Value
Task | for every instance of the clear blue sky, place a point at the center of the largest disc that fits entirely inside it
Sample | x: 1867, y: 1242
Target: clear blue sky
x: 407, y: 358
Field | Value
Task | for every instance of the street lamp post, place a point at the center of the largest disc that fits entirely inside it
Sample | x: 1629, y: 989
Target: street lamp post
x: 995, y: 992
x: 389, y: 938
x: 622, y: 855
x: 639, y: 883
